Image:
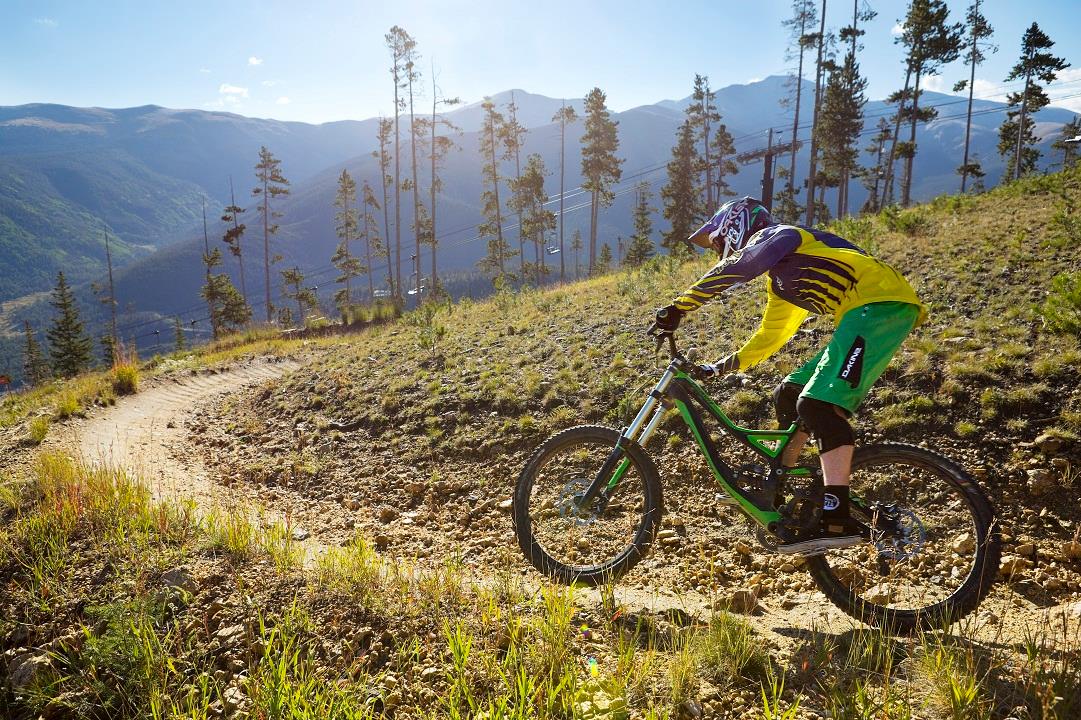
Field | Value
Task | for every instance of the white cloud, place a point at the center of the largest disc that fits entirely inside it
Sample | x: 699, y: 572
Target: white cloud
x: 936, y: 83
x: 253, y: 61
x: 988, y: 90
x: 1072, y: 76
x: 204, y: 71
x: 897, y: 30
x: 283, y: 100
x: 269, y: 83
x: 46, y: 22
x: 227, y: 90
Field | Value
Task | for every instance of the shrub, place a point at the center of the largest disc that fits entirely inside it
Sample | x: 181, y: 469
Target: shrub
x: 39, y: 428
x: 125, y: 378
x: 1061, y: 310
x: 910, y: 222
x: 861, y: 231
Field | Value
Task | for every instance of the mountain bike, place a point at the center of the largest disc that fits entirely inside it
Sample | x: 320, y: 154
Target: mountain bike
x: 588, y: 505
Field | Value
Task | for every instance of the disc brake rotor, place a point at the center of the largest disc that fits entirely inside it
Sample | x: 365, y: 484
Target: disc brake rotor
x: 569, y: 503
x: 906, y: 537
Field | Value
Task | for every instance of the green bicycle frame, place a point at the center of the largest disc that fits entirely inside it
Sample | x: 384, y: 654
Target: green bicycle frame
x: 677, y: 389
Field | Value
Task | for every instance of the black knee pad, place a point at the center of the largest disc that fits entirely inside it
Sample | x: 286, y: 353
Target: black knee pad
x: 784, y: 399
x: 822, y: 420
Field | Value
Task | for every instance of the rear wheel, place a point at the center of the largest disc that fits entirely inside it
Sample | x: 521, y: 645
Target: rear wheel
x: 597, y: 543
x: 935, y: 550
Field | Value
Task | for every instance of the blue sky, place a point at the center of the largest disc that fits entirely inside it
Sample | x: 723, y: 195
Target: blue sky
x: 326, y: 60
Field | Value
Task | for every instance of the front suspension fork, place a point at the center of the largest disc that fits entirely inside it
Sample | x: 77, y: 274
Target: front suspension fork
x: 639, y: 431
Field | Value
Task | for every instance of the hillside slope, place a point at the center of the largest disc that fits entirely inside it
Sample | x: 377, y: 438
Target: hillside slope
x: 448, y: 406
x: 396, y: 448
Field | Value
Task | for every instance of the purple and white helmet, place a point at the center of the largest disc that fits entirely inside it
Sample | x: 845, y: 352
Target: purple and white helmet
x: 732, y: 226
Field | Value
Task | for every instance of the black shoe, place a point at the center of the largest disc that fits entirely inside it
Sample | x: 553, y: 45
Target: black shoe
x: 831, y: 535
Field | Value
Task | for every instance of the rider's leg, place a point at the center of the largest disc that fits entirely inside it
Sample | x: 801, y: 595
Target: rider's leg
x: 785, y: 397
x: 836, y: 441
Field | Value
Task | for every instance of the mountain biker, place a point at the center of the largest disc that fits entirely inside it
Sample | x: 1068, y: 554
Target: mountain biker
x: 808, y: 271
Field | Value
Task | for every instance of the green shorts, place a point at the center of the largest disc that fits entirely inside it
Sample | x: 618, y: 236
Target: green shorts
x: 861, y: 348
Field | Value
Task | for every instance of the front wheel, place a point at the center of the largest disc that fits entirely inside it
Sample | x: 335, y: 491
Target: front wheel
x: 593, y: 544
x: 935, y: 547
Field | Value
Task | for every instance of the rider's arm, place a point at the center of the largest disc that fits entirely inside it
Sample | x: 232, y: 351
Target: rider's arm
x: 779, y: 323
x: 763, y: 253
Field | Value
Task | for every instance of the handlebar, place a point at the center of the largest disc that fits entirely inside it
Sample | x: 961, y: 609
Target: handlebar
x: 688, y: 362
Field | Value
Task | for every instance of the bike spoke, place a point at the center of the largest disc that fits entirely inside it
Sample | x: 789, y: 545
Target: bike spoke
x: 578, y: 537
x: 925, y: 539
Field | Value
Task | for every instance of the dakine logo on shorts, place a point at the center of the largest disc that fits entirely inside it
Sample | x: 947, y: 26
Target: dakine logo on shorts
x: 853, y: 365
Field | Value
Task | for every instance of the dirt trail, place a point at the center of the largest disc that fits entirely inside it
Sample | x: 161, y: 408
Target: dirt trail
x: 145, y: 433
x: 148, y: 435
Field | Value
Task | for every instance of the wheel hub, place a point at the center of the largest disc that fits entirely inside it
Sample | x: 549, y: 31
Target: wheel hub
x: 570, y: 503
x: 898, y: 533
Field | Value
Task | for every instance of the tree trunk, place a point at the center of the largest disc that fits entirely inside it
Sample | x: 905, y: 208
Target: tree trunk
x: 971, y: 90
x: 431, y: 211
x: 906, y: 187
x: 888, y: 181
x: 239, y: 255
x: 397, y: 192
x: 795, y: 120
x: 814, y: 121
x: 1021, y: 129
x: 266, y: 246
x: 592, y: 232
x: 368, y: 252
x: 562, y: 151
x: 416, y: 186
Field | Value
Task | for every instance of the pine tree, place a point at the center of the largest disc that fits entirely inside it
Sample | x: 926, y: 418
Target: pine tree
x: 841, y: 125
x: 979, y: 30
x: 234, y: 234
x: 69, y: 346
x: 304, y: 297
x: 682, y: 196
x: 576, y: 246
x: 702, y: 112
x: 511, y: 134
x: 1016, y: 134
x: 347, y: 225
x: 724, y: 150
x: 383, y: 155
x: 417, y: 132
x: 438, y: 149
x: 804, y: 17
x: 401, y: 47
x: 235, y: 310
x: 641, y: 246
x: 528, y: 199
x: 35, y: 367
x: 495, y: 262
x: 272, y: 185
x: 563, y: 116
x: 600, y: 165
x: 1070, y: 131
x: 872, y: 176
x: 213, y: 301
x: 604, y: 260
x: 820, y: 69
x: 179, y: 343
x: 931, y: 42
x: 373, y: 244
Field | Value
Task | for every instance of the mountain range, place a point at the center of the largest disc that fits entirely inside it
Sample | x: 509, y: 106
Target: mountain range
x: 70, y: 175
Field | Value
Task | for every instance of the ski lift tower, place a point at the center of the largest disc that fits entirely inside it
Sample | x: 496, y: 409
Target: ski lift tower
x: 766, y: 155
